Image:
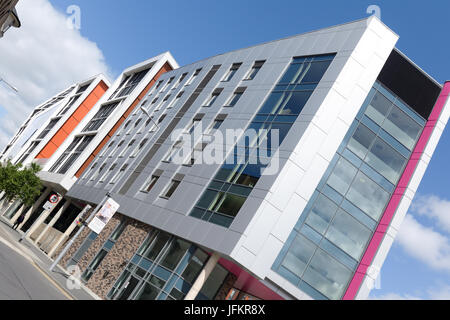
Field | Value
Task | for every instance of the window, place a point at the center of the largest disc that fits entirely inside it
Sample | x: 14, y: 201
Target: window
x: 321, y: 214
x: 167, y: 84
x: 361, y: 141
x: 342, y: 176
x: 109, y: 244
x: 196, y: 154
x: 162, y: 103
x: 108, y: 173
x: 385, y: 160
x: 99, y: 172
x: 133, y: 82
x: 174, y: 151
x: 72, y: 154
x: 215, y: 125
x: 297, y: 259
x: 119, y: 174
x: 194, y: 76
x: 236, y: 96
x: 48, y: 128
x: 179, y: 81
x: 348, y: 234
x: 171, y: 189
x: 210, y: 101
x: 91, y: 169
x: 117, y: 148
x: 100, y: 117
x: 229, y: 75
x: 402, y: 127
x: 29, y: 150
x: 139, y: 148
x: 130, y: 144
x: 368, y: 196
x: 327, y: 275
x: 255, y: 69
x: 194, y: 124
x: 174, y: 101
x: 151, y: 183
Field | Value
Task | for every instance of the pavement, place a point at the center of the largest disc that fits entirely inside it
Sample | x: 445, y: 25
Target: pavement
x: 25, y: 272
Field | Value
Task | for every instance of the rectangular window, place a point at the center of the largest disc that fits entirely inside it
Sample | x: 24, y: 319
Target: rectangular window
x: 119, y: 174
x: 98, y: 172
x: 229, y: 75
x: 151, y: 183
x: 85, y: 141
x: 174, y: 101
x: 48, y: 128
x: 108, y: 173
x: 179, y: 81
x: 132, y: 83
x: 139, y: 148
x: 215, y: 126
x: 255, y: 69
x: 167, y: 84
x: 235, y: 98
x: 104, y: 112
x: 194, y: 76
x: 210, y: 101
x: 125, y: 150
x: 174, y: 151
x: 95, y: 263
x: 171, y: 189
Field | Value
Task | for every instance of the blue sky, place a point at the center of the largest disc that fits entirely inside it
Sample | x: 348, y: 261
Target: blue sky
x: 128, y: 32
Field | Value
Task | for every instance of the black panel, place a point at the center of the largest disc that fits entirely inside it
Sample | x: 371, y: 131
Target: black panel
x: 410, y: 84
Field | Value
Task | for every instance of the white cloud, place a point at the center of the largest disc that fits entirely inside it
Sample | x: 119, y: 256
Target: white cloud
x: 394, y: 296
x: 424, y: 244
x: 41, y: 58
x: 435, y: 208
x: 435, y: 293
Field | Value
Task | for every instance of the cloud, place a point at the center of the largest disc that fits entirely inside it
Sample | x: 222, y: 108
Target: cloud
x: 435, y: 208
x: 41, y: 58
x: 424, y: 244
x: 394, y: 296
x: 435, y: 293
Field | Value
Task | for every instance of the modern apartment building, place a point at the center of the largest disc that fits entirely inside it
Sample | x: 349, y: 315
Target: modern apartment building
x: 278, y: 171
x: 8, y: 16
x: 78, y: 124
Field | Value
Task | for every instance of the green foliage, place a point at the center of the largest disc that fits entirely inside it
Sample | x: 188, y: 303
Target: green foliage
x: 20, y: 183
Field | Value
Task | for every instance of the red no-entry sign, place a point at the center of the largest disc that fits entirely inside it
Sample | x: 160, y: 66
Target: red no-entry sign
x: 53, y: 198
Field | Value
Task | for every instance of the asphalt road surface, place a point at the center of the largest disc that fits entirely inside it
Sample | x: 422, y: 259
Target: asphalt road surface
x: 20, y: 280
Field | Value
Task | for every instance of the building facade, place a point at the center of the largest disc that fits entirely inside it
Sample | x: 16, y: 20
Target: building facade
x: 278, y: 171
x: 8, y: 16
x: 77, y: 126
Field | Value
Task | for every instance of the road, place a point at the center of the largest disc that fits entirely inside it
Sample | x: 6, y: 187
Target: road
x: 21, y: 280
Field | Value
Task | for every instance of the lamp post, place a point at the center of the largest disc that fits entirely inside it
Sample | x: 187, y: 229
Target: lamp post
x: 9, y: 85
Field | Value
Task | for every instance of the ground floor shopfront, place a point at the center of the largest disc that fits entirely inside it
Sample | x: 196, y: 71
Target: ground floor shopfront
x: 48, y: 228
x: 129, y: 260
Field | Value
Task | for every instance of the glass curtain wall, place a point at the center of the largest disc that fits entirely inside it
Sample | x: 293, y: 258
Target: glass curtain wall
x: 331, y: 236
x: 235, y: 180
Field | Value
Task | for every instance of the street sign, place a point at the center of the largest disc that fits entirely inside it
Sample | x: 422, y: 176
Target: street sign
x: 53, y: 198
x: 103, y: 216
x: 48, y: 205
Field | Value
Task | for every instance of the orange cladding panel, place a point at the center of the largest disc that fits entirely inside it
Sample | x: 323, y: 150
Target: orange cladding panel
x: 64, y: 131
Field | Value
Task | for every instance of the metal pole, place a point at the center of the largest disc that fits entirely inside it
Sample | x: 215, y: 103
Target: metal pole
x: 71, y: 241
x: 9, y: 85
x: 38, y: 221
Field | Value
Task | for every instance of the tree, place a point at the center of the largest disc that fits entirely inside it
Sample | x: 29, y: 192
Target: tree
x: 20, y: 183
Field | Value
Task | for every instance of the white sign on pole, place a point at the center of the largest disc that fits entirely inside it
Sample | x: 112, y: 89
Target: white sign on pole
x: 48, y: 206
x: 103, y: 216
